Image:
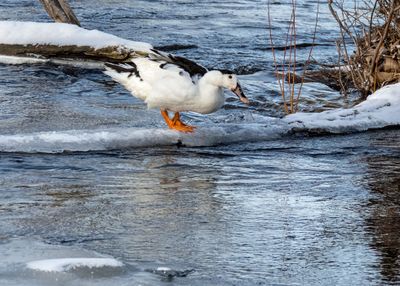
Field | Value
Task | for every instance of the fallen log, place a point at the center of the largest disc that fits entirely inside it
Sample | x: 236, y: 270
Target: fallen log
x: 109, y: 53
x: 64, y: 41
x: 332, y: 77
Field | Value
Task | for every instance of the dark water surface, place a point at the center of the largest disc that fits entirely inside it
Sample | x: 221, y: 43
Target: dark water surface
x: 298, y: 210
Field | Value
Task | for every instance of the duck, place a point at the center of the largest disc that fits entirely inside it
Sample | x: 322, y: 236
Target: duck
x: 175, y: 84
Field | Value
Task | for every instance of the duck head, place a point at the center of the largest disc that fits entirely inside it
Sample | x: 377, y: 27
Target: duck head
x: 228, y: 80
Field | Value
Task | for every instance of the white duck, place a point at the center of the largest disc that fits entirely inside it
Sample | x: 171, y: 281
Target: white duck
x: 173, y: 83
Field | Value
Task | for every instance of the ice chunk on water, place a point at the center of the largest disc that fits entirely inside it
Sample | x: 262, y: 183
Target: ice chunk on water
x: 122, y: 138
x: 163, y: 269
x: 66, y: 264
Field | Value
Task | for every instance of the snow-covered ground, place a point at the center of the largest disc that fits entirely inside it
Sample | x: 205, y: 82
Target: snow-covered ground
x: 381, y: 109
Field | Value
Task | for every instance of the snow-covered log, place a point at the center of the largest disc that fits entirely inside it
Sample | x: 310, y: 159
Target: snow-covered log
x: 64, y: 41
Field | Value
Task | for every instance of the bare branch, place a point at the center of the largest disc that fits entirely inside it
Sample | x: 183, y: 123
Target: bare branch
x: 60, y: 11
x: 281, y: 83
x: 309, y: 55
x: 383, y: 37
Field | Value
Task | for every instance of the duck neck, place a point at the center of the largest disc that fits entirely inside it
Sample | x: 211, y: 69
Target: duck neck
x: 211, y: 97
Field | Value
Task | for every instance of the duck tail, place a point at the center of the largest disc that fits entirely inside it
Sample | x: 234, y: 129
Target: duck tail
x: 117, y: 68
x: 126, y: 68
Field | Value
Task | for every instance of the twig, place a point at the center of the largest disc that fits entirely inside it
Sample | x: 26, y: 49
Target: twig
x: 309, y: 56
x: 385, y: 32
x: 343, y: 89
x: 370, y: 20
x: 294, y: 56
x: 60, y: 11
x: 274, y: 57
x: 289, y: 36
x: 335, y: 15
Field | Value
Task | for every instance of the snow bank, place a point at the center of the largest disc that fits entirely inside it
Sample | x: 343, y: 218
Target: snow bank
x: 67, y: 264
x: 381, y: 109
x: 60, y: 34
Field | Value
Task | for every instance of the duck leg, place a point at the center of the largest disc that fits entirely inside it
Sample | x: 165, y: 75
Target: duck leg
x: 175, y: 122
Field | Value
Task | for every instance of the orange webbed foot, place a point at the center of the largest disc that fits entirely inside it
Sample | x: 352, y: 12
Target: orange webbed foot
x: 179, y: 125
x: 184, y: 128
x: 176, y: 123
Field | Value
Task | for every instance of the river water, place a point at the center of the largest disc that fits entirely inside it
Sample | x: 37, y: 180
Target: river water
x: 292, y: 210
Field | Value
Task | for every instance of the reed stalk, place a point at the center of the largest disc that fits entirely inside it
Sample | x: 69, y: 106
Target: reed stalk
x: 286, y: 72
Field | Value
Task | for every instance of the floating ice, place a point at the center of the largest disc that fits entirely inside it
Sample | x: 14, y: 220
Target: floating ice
x: 67, y: 264
x: 123, y: 138
x: 163, y: 269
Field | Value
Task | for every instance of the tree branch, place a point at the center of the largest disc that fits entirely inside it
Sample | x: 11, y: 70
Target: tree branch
x: 60, y: 11
x: 385, y: 32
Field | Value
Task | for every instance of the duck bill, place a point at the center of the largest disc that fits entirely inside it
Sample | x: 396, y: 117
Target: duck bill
x: 239, y: 92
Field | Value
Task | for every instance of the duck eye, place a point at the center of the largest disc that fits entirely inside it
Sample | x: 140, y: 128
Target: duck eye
x: 230, y: 76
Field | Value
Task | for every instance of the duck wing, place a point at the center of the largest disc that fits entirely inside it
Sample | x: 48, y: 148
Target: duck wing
x: 158, y: 78
x: 166, y: 61
x: 194, y: 70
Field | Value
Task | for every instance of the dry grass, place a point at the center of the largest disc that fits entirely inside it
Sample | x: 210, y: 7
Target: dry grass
x: 373, y: 28
x: 286, y: 76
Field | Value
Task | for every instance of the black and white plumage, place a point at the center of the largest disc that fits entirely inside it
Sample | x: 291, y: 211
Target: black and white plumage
x: 174, y: 83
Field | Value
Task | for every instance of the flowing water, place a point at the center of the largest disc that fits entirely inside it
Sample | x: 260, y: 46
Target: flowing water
x: 284, y: 210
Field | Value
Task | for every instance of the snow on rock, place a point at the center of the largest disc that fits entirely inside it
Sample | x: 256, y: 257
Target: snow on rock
x: 60, y: 34
x: 67, y: 264
x: 380, y: 109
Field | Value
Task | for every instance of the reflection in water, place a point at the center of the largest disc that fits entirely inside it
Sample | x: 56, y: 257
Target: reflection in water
x: 384, y: 220
x: 63, y: 194
x: 148, y: 202
x: 232, y: 213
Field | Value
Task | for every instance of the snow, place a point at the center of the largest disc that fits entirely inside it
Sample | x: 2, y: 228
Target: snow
x: 60, y: 34
x: 12, y: 60
x: 123, y: 138
x: 163, y: 269
x: 66, y: 264
x: 380, y: 109
x: 87, y: 64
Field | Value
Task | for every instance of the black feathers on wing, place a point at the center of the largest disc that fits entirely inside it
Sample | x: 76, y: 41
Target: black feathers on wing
x: 189, y: 66
x: 165, y: 59
x: 129, y: 67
